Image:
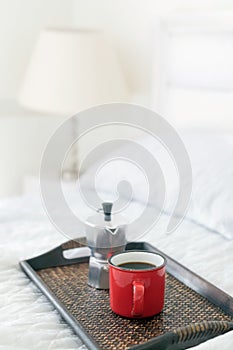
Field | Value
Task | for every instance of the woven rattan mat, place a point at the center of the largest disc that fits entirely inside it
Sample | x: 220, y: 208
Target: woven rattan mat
x: 91, y: 308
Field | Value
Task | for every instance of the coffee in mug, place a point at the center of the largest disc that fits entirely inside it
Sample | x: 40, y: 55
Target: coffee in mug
x: 137, y: 265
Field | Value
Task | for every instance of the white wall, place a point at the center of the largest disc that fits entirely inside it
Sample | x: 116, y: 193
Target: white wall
x: 20, y: 24
x: 130, y: 24
x: 23, y: 135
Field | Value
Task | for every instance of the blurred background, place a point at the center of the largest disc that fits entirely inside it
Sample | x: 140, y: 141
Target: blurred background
x: 58, y: 57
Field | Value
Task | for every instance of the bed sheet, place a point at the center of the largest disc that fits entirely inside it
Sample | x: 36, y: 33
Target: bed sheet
x: 28, y: 321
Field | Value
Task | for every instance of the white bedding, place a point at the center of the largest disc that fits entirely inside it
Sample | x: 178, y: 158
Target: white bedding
x: 211, y: 157
x: 27, y: 319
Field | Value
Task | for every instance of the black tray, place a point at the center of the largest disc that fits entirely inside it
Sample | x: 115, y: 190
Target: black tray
x: 195, y: 310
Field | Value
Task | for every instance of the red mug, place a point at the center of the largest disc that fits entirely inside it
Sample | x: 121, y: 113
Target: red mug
x: 137, y: 283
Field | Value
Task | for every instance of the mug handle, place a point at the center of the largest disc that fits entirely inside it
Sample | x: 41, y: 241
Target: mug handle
x: 138, y: 298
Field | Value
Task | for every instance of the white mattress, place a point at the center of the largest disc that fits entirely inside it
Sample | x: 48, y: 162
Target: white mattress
x: 28, y: 321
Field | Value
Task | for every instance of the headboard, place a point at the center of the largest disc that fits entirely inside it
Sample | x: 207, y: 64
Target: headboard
x: 193, y: 70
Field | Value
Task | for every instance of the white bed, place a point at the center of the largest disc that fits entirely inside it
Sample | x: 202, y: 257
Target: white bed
x: 28, y: 321
x: 203, y: 242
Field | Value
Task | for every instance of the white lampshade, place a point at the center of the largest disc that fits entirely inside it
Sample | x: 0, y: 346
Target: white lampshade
x: 71, y: 70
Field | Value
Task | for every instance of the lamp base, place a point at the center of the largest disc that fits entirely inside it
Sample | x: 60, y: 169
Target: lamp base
x: 70, y: 175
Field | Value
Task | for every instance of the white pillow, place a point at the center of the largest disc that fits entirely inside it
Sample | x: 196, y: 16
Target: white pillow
x: 212, y: 199
x: 211, y: 157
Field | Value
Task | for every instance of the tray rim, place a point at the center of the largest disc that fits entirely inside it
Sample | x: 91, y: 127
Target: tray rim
x: 50, y: 259
x: 72, y: 322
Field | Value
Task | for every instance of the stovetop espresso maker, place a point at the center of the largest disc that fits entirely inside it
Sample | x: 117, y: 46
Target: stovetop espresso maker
x: 106, y: 235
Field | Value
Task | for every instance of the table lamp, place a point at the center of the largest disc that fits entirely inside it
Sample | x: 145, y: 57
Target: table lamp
x: 70, y: 70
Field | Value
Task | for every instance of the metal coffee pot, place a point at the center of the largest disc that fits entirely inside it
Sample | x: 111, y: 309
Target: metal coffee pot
x: 106, y: 235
